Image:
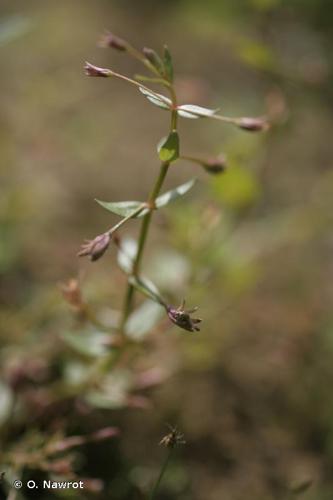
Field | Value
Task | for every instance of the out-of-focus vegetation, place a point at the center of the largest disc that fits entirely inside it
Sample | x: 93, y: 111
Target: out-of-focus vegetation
x: 253, y: 247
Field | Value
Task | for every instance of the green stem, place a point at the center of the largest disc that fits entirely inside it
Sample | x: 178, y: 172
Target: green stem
x: 142, y: 240
x: 161, y: 474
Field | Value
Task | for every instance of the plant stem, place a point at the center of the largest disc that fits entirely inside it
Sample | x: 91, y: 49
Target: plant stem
x: 161, y: 474
x: 142, y: 240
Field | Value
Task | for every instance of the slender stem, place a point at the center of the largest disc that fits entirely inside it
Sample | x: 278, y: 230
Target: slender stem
x: 142, y: 240
x: 127, y: 218
x: 161, y: 474
x: 140, y: 85
x: 147, y: 218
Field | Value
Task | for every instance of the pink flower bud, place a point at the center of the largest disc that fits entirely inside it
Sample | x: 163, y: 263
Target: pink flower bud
x: 92, y: 70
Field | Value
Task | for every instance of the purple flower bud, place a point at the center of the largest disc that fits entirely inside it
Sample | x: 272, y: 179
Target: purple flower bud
x: 113, y: 41
x: 154, y: 59
x: 215, y: 165
x: 95, y: 248
x: 252, y: 124
x: 92, y: 70
x: 182, y: 318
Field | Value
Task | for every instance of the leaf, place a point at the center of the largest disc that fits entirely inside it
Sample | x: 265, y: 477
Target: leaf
x: 113, y: 392
x: 173, y: 194
x: 168, y: 147
x: 122, y: 208
x: 168, y: 66
x: 143, y: 320
x: 158, y: 99
x: 193, y: 111
x: 92, y: 344
x: 126, y: 254
x: 125, y: 208
x: 147, y: 287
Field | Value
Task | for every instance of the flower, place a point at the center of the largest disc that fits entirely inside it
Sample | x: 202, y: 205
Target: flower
x: 252, y: 124
x: 173, y: 439
x: 182, y: 318
x: 92, y: 70
x: 111, y: 40
x: 215, y: 165
x: 95, y: 248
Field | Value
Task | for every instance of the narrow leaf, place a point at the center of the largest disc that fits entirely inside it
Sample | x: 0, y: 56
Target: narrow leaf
x: 168, y: 66
x: 194, y: 111
x: 143, y: 320
x: 173, y: 194
x: 168, y: 147
x: 126, y: 254
x: 158, y: 99
x: 122, y: 208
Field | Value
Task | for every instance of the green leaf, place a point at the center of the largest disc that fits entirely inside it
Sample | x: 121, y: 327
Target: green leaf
x: 158, y: 99
x: 113, y: 392
x: 143, y: 320
x: 146, y: 287
x: 122, y: 208
x: 173, y: 194
x: 168, y: 66
x: 168, y: 147
x: 193, y: 111
x: 126, y: 254
x: 91, y: 344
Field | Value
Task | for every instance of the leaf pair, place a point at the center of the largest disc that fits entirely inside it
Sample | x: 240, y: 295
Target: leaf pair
x: 125, y: 208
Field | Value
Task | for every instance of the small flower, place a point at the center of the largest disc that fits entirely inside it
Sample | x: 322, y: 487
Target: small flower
x: 92, y: 70
x: 215, y: 165
x: 182, y: 318
x: 173, y: 438
x: 252, y: 124
x: 113, y: 41
x: 95, y: 248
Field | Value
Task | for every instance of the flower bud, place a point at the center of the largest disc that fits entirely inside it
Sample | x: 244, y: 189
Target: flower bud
x: 215, y: 165
x: 173, y: 438
x: 95, y: 248
x: 180, y: 317
x: 113, y: 41
x: 92, y: 70
x: 252, y: 124
x: 154, y: 59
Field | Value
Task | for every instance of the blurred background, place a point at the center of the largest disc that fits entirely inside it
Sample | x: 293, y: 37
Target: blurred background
x: 251, y: 247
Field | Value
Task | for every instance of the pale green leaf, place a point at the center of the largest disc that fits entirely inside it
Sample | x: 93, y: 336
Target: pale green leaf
x: 143, y: 320
x: 168, y: 147
x: 175, y: 193
x: 194, y: 111
x: 126, y: 254
x: 92, y: 344
x: 122, y: 208
x: 158, y: 99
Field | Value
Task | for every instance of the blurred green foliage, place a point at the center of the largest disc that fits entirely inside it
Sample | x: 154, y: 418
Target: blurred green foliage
x: 252, y: 247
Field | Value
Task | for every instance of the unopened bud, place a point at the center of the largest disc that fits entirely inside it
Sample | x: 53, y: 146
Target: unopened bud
x: 95, y: 248
x: 215, y: 165
x: 113, y: 41
x: 252, y: 124
x: 154, y: 59
x: 92, y: 70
